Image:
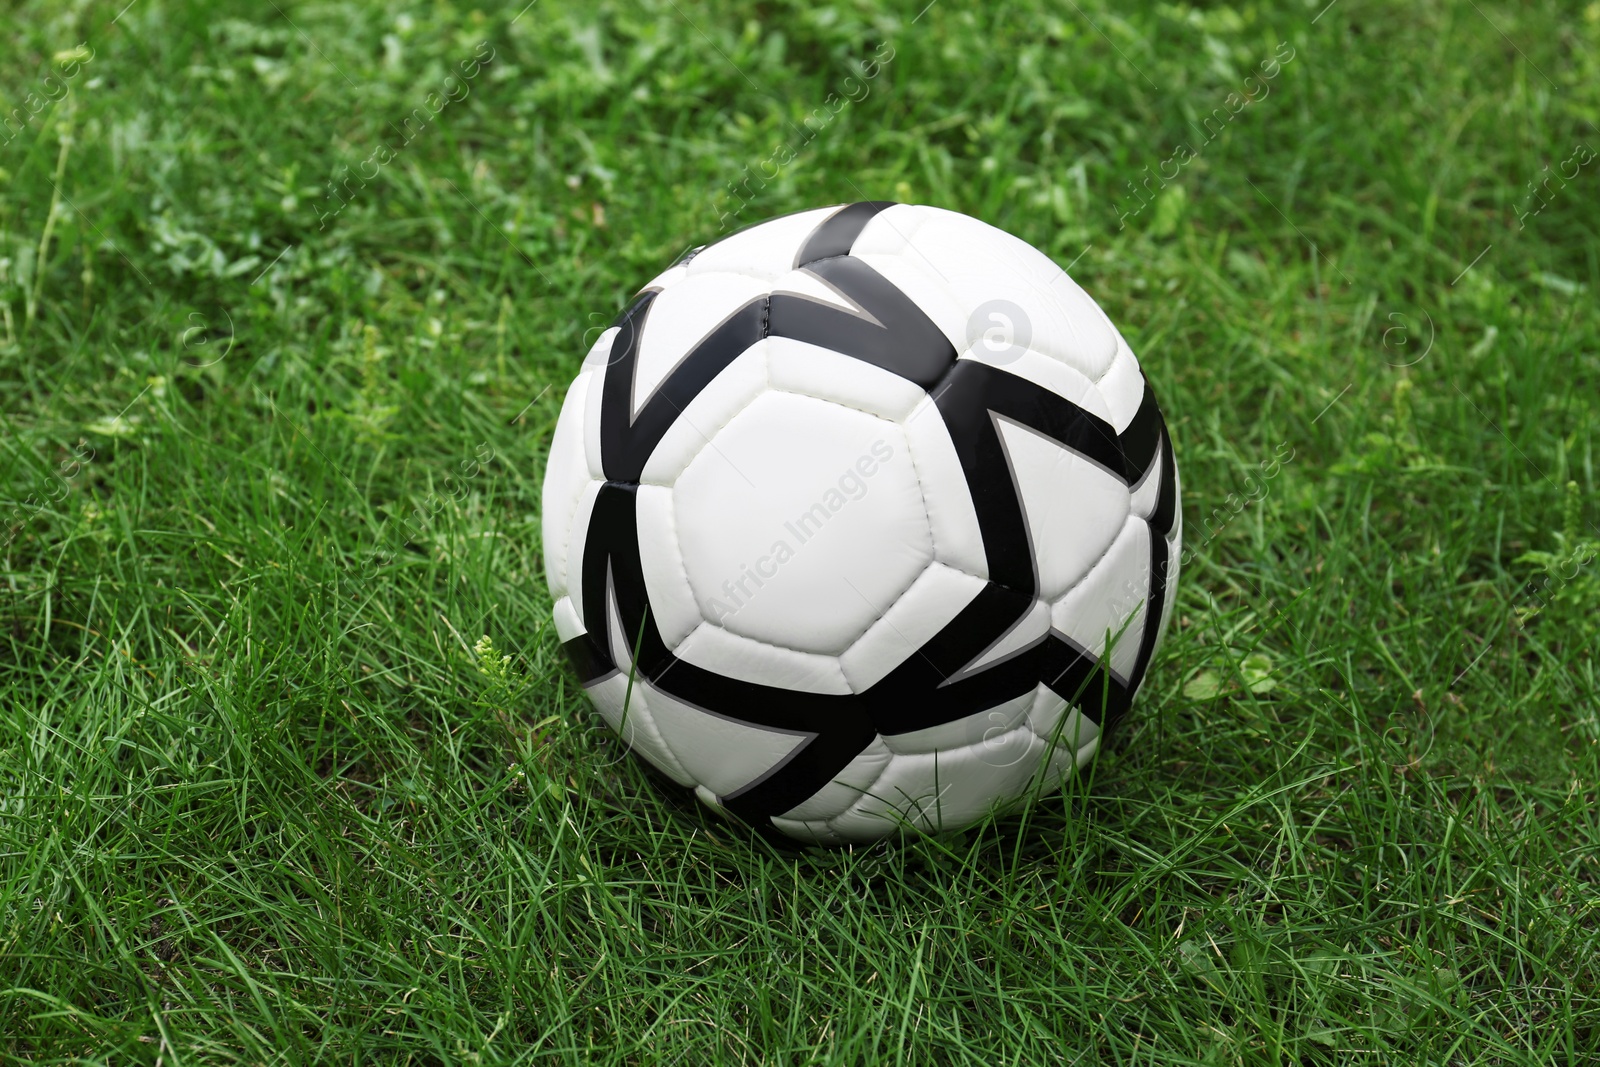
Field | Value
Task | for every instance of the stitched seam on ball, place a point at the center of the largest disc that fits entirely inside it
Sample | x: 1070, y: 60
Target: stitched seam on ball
x: 661, y: 739
x: 922, y: 492
x: 1119, y: 344
x: 864, y: 790
x: 1131, y: 517
x: 683, y: 569
x: 921, y: 218
x: 566, y: 539
x: 640, y: 717
x: 863, y: 793
x: 565, y: 543
x: 1067, y: 708
x: 706, y: 438
x: 1116, y: 354
x: 883, y: 619
x: 583, y: 452
x: 817, y: 828
x: 973, y: 746
x: 708, y: 624
x: 898, y: 421
x: 906, y: 818
x: 860, y: 790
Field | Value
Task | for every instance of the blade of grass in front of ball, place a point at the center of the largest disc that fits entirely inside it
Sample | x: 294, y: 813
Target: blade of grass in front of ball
x: 1055, y: 734
x: 633, y: 668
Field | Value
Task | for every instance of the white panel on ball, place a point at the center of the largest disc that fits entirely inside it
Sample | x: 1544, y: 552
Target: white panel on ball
x: 729, y: 393
x: 809, y: 370
x: 672, y: 602
x: 1122, y: 387
x: 933, y: 601
x: 566, y: 477
x: 953, y: 521
x: 568, y: 625
x: 765, y: 252
x: 718, y: 752
x: 679, y: 318
x: 1110, y: 600
x: 811, y: 533
x: 600, y: 352
x: 714, y: 649
x: 1073, y: 734
x: 847, y: 786
x: 1074, y: 506
x: 932, y: 792
x: 627, y: 712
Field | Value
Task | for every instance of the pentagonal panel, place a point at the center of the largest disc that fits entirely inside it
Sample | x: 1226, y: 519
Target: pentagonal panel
x: 801, y: 522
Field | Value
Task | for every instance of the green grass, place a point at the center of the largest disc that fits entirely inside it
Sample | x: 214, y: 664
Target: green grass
x: 260, y: 801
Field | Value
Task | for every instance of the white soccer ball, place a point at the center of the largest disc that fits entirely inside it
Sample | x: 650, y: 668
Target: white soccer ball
x: 862, y: 519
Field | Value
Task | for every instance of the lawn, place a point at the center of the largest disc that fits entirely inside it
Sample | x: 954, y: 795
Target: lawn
x: 289, y: 297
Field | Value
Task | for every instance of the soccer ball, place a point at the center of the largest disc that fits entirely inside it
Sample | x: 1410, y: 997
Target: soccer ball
x: 862, y: 519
